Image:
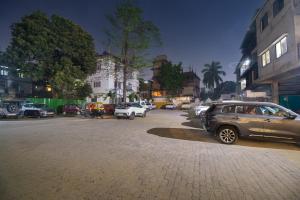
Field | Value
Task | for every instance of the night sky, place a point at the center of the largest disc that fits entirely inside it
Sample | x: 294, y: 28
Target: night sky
x: 194, y: 32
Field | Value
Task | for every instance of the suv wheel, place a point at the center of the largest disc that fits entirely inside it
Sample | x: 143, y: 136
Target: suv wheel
x: 131, y: 117
x: 227, y: 134
x: 12, y: 108
x: 144, y: 115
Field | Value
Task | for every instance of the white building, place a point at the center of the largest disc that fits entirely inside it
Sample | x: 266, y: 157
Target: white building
x: 108, y: 78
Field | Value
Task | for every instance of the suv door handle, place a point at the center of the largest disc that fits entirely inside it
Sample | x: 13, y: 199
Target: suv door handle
x: 267, y: 120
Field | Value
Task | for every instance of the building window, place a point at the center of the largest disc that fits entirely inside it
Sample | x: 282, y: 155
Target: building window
x: 281, y: 47
x: 243, y: 84
x: 3, y: 71
x: 266, y: 58
x: 277, y: 6
x: 21, y: 75
x: 119, y: 85
x: 245, y: 66
x: 97, y: 84
x: 264, y: 21
x: 99, y: 66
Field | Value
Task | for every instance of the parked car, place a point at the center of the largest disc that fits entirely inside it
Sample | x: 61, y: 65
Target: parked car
x: 11, y: 108
x: 36, y: 110
x: 151, y: 106
x: 71, y: 109
x: 186, y: 106
x: 200, y: 110
x: 170, y: 106
x: 144, y: 104
x: 130, y: 111
x: 231, y: 120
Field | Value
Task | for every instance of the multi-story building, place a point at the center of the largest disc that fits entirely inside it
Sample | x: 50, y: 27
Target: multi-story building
x: 108, y: 80
x: 13, y: 84
x: 159, y: 94
x: 190, y: 88
x: 191, y: 85
x: 270, y: 66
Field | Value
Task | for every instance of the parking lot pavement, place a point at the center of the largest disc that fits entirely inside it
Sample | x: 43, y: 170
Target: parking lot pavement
x: 162, y: 156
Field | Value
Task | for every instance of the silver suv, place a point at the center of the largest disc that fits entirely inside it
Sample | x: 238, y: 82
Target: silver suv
x: 254, y: 119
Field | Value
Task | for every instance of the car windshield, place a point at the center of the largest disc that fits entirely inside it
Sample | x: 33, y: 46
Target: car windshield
x: 123, y: 106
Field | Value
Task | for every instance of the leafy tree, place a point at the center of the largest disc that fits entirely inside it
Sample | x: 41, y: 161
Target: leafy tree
x: 112, y: 95
x: 131, y: 35
x: 227, y: 87
x: 83, y: 90
x: 171, y: 78
x: 133, y: 96
x: 53, y: 50
x: 212, y: 74
x: 142, y: 85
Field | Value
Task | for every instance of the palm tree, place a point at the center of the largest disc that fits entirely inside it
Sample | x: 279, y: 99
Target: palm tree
x: 212, y: 74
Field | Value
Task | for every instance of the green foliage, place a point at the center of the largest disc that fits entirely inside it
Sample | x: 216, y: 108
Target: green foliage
x: 54, y: 50
x: 226, y: 87
x: 131, y: 35
x: 83, y: 90
x: 142, y: 85
x: 112, y: 95
x: 212, y: 74
x: 133, y: 96
x: 171, y: 78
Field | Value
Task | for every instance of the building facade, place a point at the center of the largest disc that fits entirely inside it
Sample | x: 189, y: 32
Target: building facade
x: 13, y: 84
x: 270, y: 68
x: 108, y: 80
x: 190, y: 88
x: 159, y: 94
x: 191, y: 85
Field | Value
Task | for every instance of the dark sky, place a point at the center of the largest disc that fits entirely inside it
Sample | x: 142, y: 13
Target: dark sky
x: 194, y: 32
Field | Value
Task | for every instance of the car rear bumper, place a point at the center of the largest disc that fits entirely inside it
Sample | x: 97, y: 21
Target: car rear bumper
x: 121, y: 114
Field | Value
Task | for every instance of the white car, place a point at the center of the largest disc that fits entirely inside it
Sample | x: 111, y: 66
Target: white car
x: 151, y: 106
x: 144, y: 105
x: 130, y: 111
x: 199, y: 110
x: 36, y: 110
x: 170, y: 106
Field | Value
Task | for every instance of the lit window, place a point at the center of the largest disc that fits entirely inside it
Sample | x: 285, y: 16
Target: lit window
x: 245, y: 66
x: 243, y: 84
x: 281, y: 47
x: 266, y: 58
x: 4, y: 72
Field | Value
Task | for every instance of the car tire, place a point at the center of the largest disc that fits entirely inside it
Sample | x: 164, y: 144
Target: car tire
x: 227, y: 134
x: 132, y: 116
x: 144, y: 115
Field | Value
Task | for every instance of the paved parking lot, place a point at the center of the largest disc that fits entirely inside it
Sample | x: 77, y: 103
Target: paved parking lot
x: 162, y: 156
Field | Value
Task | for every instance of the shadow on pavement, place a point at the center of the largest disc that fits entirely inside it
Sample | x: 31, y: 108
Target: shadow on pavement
x: 193, y: 123
x: 202, y: 136
x: 182, y: 134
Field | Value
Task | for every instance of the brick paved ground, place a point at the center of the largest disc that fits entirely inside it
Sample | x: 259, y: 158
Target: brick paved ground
x: 160, y: 157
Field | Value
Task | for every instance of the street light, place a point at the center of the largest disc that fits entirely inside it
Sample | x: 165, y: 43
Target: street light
x: 48, y: 88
